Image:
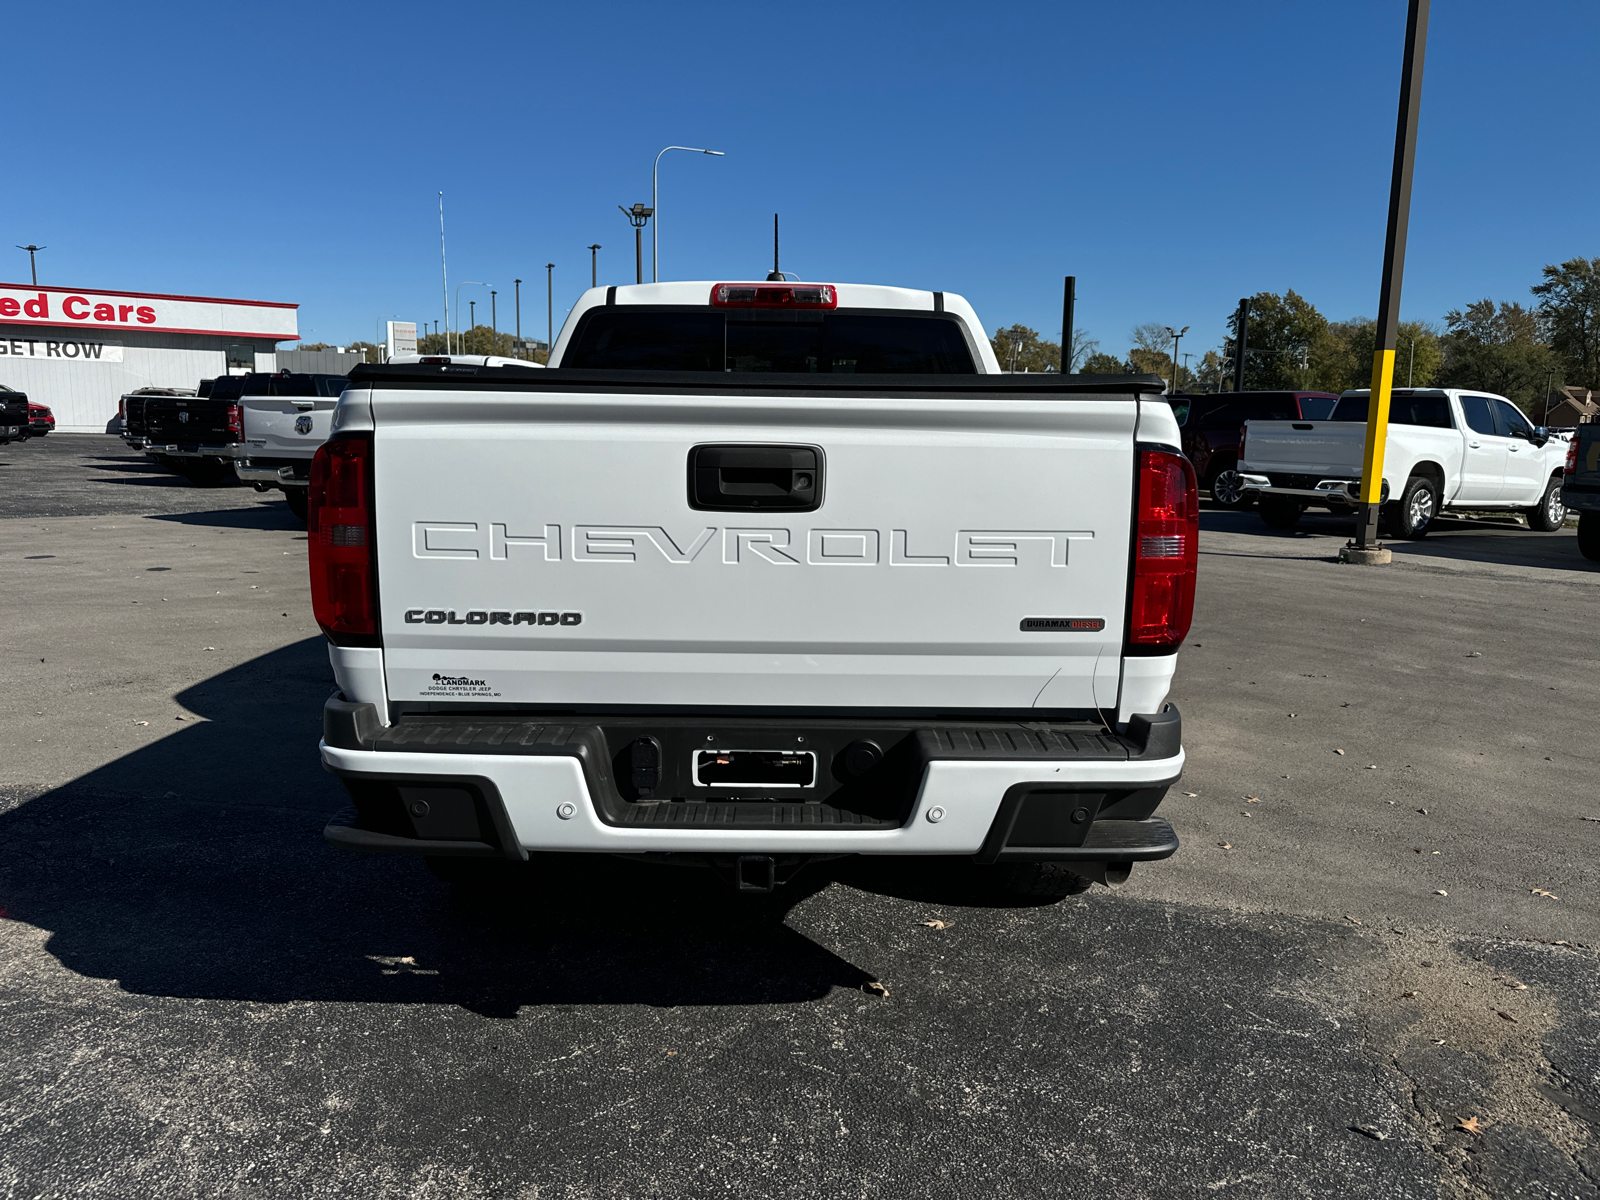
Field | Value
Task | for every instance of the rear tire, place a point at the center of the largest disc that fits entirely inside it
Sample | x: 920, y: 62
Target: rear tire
x: 1589, y: 535
x: 1281, y: 513
x: 1550, y: 513
x: 1042, y: 881
x: 1227, y: 489
x: 1415, y: 510
x: 299, y: 502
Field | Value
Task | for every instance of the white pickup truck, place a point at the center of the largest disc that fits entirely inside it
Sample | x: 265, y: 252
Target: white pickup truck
x: 755, y: 575
x: 284, y: 418
x: 1448, y: 448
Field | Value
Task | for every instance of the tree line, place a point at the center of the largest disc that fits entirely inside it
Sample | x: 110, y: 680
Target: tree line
x: 1523, y: 353
x: 480, y: 339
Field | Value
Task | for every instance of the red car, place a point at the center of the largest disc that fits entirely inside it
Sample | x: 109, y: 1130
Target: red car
x: 40, y: 419
x: 1211, y: 424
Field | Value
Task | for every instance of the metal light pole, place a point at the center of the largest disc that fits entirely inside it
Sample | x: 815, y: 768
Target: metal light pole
x: 494, y: 318
x: 594, y: 268
x: 32, y: 250
x: 444, y: 278
x: 1394, y: 262
x: 472, y: 315
x: 1069, y: 301
x: 549, y: 310
x: 459, y: 286
x: 518, y: 284
x: 1241, y: 344
x: 1176, y: 335
x: 637, y: 216
x: 655, y: 234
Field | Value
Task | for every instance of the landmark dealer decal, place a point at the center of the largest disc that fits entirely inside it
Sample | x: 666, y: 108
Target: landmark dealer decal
x: 460, y: 687
x: 74, y: 351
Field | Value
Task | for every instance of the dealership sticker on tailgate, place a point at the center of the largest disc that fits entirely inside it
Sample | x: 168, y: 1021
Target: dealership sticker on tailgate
x: 460, y: 687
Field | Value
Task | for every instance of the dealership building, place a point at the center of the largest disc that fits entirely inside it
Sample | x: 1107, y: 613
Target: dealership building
x: 80, y: 350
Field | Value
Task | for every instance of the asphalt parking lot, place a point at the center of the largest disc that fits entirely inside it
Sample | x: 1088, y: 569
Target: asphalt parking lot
x: 1382, y: 925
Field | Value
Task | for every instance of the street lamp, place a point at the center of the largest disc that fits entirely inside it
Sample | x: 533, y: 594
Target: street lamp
x: 32, y: 250
x: 1176, y: 335
x: 494, y: 318
x: 518, y: 282
x: 655, y: 234
x: 637, y: 216
x: 459, y: 286
x: 594, y: 268
x: 549, y: 310
x: 472, y: 315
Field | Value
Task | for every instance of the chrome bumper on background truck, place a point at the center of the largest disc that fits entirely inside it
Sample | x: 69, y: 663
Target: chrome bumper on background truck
x: 781, y: 791
x: 1338, y: 493
x: 274, y: 472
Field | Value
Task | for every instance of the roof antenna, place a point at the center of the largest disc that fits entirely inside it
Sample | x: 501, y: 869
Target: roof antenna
x: 777, y: 275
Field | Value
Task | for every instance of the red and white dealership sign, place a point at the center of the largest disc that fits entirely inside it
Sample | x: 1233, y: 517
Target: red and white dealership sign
x: 64, y: 308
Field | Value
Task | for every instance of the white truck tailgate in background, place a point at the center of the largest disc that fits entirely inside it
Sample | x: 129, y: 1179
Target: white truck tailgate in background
x: 1333, y: 448
x: 271, y: 430
x: 540, y: 548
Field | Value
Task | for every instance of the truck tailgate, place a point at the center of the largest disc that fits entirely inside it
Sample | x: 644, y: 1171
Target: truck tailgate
x: 288, y: 427
x: 541, y: 548
x: 1331, y: 448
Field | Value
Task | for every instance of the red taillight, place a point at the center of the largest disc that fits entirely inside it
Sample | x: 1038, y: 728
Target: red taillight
x: 775, y: 295
x: 235, y: 420
x: 1572, y: 457
x: 344, y: 578
x: 122, y: 409
x: 1166, y: 550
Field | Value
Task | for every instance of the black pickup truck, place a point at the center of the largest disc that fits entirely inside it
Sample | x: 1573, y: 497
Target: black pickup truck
x: 1580, y: 487
x: 13, y: 415
x: 195, y: 436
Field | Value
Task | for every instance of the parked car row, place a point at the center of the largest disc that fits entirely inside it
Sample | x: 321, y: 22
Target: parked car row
x: 260, y: 428
x: 21, y: 418
x: 1446, y: 449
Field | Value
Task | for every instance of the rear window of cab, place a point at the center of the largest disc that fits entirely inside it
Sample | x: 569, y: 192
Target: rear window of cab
x: 697, y: 339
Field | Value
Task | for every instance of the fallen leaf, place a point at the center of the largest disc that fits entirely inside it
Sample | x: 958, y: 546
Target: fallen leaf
x: 1370, y: 1131
x: 1423, y: 811
x: 1469, y: 1125
x: 1516, y: 985
x: 937, y: 924
x: 1338, y: 751
x: 1372, y: 766
x: 1357, y: 920
x: 875, y: 988
x: 208, y: 647
x: 1407, y: 995
x: 141, y: 722
x: 1475, y: 654
x: 180, y: 718
x: 1226, y: 845
x: 1586, y: 818
x: 1252, y: 799
x: 670, y: 1053
x: 1589, y: 818
x: 1505, y: 1016
x: 1440, y: 892
x: 1542, y: 892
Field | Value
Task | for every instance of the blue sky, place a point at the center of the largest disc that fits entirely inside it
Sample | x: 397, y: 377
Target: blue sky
x: 1174, y: 156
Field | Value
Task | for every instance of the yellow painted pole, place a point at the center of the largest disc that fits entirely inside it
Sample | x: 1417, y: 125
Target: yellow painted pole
x: 1377, y: 427
x: 1394, y: 262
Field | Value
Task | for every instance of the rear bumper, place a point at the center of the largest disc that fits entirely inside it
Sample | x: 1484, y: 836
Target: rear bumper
x: 512, y: 789
x: 273, y: 473
x: 1581, y: 497
x: 1336, y: 492
x: 189, y: 449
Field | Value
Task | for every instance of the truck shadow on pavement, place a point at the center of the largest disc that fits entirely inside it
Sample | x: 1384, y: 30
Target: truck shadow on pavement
x: 1462, y: 539
x: 268, y: 515
x: 195, y: 868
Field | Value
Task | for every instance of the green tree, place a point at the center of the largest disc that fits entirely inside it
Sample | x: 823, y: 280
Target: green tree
x: 373, y: 353
x: 1569, y: 308
x: 1021, y: 349
x: 1497, y: 350
x: 1082, y: 347
x: 1286, y: 343
x: 1344, y: 357
x: 1104, y: 364
x: 1148, y: 354
x: 480, y: 339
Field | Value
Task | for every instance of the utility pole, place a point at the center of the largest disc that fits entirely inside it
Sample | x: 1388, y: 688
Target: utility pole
x: 32, y: 266
x: 472, y: 316
x: 777, y: 275
x: 1069, y: 301
x: 594, y: 268
x: 549, y: 310
x: 518, y: 284
x: 1411, y: 371
x: 494, y: 318
x: 1241, y: 344
x: 1177, y: 336
x: 1365, y: 547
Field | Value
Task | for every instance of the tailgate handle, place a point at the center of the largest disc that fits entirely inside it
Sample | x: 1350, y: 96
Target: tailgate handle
x: 740, y: 478
x: 305, y: 405
x: 1299, y: 426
